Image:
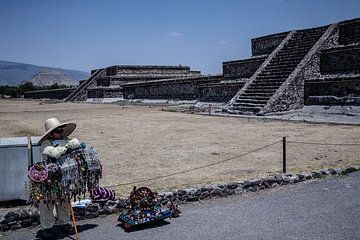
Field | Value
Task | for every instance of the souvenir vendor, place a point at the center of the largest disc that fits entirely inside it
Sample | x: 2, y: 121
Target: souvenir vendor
x: 55, y: 143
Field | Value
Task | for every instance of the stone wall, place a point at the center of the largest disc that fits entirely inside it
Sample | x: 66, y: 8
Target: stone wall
x: 185, y: 89
x: 50, y: 94
x: 266, y: 44
x: 104, y: 92
x: 113, y: 93
x: 332, y: 100
x: 139, y: 69
x: 349, y: 32
x: 95, y: 93
x: 242, y: 68
x: 115, y: 76
x: 338, y: 87
x: 119, y: 80
x: 103, y: 82
x: 340, y: 60
x: 221, y: 92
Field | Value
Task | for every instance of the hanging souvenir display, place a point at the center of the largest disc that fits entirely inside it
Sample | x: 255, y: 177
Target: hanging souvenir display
x: 70, y: 176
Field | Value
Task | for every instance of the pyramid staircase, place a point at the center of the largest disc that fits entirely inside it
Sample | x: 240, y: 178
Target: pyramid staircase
x: 81, y: 89
x: 252, y: 98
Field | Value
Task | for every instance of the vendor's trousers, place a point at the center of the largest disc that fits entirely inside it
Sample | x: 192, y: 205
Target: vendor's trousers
x: 50, y: 210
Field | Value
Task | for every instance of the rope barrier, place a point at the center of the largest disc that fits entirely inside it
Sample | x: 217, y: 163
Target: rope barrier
x: 193, y: 169
x: 229, y: 159
x: 327, y: 144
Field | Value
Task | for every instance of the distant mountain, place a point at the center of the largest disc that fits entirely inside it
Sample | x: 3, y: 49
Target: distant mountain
x: 50, y: 77
x: 13, y: 73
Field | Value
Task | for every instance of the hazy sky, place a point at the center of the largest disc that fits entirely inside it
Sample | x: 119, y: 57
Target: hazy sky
x: 202, y: 34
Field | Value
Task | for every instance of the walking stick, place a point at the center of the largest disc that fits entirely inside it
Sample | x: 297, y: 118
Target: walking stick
x: 73, y: 220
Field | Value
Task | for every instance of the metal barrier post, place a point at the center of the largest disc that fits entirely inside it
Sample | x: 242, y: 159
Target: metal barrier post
x: 284, y: 154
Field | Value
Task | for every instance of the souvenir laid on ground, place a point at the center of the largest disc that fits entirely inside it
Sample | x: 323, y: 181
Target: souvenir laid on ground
x: 142, y: 208
x: 70, y: 176
x: 102, y: 194
x: 81, y: 203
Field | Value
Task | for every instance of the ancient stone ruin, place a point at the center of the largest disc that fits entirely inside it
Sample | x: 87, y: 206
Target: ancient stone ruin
x: 286, y: 71
x: 315, y: 66
x: 108, y: 82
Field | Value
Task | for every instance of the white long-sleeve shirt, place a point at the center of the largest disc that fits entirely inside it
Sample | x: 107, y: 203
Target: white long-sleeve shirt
x: 57, y: 148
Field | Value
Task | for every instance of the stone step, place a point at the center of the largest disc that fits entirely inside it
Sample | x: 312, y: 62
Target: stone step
x: 276, y: 63
x: 307, y: 42
x: 289, y: 63
x: 293, y: 53
x: 263, y: 86
x: 306, y: 36
x: 302, y: 40
x: 272, y: 77
x: 299, y: 44
x: 296, y: 46
x: 269, y: 81
x: 256, y: 95
x: 286, y: 59
x: 261, y: 91
x: 253, y: 105
x: 288, y: 56
x: 296, y: 49
x: 247, y: 110
x: 289, y: 59
x: 271, y: 84
x: 274, y: 85
x: 252, y: 100
x: 278, y: 70
x: 275, y: 74
x: 279, y: 66
x: 267, y: 84
x: 297, y: 52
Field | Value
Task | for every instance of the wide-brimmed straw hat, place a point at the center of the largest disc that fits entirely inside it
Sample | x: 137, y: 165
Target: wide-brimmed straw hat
x: 53, y: 123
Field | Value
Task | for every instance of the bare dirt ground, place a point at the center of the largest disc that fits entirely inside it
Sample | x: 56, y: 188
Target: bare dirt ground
x: 137, y: 142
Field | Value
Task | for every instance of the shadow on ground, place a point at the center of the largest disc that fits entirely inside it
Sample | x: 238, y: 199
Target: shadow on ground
x: 140, y: 227
x: 58, y: 234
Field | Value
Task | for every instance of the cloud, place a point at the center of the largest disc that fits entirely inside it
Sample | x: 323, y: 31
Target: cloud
x: 222, y: 42
x: 174, y: 34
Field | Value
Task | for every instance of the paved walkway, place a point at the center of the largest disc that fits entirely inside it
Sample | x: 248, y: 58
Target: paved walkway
x: 322, y: 209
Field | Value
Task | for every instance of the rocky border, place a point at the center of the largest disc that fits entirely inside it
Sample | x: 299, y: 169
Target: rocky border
x: 195, y: 194
x: 23, y: 218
